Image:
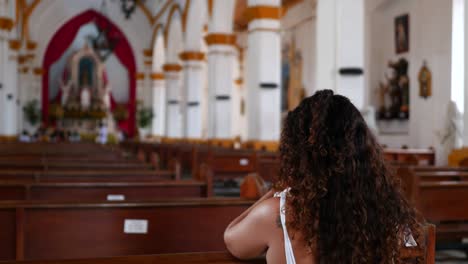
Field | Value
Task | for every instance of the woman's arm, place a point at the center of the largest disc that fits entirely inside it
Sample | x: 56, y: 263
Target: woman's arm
x: 248, y: 235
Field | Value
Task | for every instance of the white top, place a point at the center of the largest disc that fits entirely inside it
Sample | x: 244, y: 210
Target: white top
x: 287, y: 242
x: 408, y: 237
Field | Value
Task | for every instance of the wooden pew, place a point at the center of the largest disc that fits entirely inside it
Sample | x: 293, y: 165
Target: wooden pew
x: 410, y: 156
x: 182, y: 258
x: 440, y: 196
x: 227, y: 169
x: 71, y: 165
x: 426, y: 254
x: 101, y: 191
x: 51, y: 230
x: 87, y: 175
x: 268, y: 166
x: 444, y: 204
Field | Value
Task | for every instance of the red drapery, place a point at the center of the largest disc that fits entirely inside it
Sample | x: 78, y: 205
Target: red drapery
x: 63, y: 38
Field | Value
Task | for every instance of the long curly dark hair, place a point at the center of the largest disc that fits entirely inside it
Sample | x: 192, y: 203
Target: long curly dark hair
x: 342, y: 199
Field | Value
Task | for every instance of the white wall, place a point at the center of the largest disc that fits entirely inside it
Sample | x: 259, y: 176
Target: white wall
x: 430, y: 40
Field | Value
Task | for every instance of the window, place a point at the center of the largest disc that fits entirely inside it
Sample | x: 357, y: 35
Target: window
x: 458, y: 54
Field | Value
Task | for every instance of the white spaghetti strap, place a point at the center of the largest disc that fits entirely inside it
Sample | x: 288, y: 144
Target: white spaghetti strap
x: 288, y: 250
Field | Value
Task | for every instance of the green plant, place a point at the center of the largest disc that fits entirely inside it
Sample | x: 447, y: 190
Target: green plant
x: 31, y: 112
x: 144, y: 117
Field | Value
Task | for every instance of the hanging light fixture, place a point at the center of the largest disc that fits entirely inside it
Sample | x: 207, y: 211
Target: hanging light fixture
x: 128, y: 7
x: 104, y: 44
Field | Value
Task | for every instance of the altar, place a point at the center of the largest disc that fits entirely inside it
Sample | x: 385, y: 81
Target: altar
x: 84, y: 102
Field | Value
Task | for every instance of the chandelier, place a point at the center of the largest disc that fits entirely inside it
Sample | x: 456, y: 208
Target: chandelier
x: 128, y: 7
x: 104, y: 43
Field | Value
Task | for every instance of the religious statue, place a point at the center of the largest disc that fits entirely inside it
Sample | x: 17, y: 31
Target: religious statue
x: 66, y: 88
x: 296, y: 91
x: 105, y: 95
x: 425, y: 81
x: 450, y: 136
x: 85, y: 93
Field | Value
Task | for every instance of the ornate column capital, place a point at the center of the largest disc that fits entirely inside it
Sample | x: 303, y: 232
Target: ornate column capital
x: 6, y: 23
x: 140, y: 76
x: 155, y: 76
x: 221, y: 39
x: 263, y: 12
x: 192, y: 56
x: 172, y: 67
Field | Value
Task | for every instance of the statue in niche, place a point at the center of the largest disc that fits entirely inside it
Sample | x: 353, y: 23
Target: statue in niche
x: 425, y: 81
x: 295, y: 88
x: 85, y: 93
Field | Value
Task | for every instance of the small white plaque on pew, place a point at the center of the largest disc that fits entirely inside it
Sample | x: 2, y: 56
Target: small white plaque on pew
x: 115, y: 197
x: 243, y: 162
x: 135, y: 226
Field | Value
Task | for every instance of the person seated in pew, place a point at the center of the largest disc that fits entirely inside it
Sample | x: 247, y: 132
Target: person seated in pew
x: 24, y: 137
x: 335, y: 200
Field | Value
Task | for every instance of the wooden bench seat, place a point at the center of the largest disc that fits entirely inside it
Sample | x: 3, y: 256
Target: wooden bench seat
x: 101, y: 191
x: 182, y: 258
x: 51, y: 230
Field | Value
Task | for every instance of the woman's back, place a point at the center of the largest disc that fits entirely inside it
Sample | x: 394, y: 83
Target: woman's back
x: 343, y: 204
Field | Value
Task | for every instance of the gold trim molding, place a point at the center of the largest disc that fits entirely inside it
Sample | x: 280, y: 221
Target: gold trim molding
x: 6, y: 23
x: 14, y: 44
x: 263, y: 12
x: 31, y: 45
x: 38, y: 71
x: 172, y: 67
x: 192, y: 55
x: 140, y: 76
x: 220, y: 39
x: 157, y: 76
x: 148, y: 53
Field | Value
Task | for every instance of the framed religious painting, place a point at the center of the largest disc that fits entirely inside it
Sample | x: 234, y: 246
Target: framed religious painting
x: 402, y: 34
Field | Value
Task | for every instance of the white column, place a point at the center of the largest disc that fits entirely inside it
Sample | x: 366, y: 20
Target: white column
x: 159, y: 104
x: 10, y: 93
x: 263, y: 76
x: 174, y: 120
x: 326, y: 45
x: 21, y: 95
x: 340, y: 46
x: 194, y: 81
x: 3, y: 66
x: 220, y: 84
x: 350, y: 50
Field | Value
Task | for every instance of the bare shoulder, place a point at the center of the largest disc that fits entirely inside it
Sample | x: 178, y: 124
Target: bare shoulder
x: 267, y: 211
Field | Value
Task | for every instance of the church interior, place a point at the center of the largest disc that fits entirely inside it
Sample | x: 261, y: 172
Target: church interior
x: 134, y: 131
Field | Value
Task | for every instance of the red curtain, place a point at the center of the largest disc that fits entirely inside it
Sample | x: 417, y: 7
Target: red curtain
x: 63, y: 38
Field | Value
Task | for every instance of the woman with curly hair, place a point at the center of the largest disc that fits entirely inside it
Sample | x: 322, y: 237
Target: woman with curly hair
x: 337, y: 201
